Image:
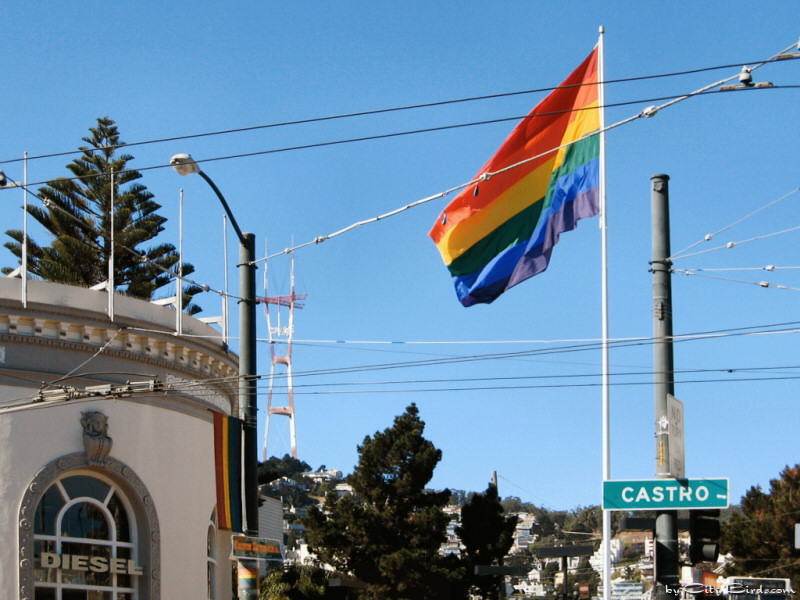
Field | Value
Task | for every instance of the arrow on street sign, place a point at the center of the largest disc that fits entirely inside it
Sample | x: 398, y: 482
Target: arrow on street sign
x: 655, y: 494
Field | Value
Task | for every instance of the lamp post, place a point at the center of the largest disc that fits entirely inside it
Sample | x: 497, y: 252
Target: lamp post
x: 185, y: 165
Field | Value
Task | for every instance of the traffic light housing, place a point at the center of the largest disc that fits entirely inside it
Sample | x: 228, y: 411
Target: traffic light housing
x: 704, y: 531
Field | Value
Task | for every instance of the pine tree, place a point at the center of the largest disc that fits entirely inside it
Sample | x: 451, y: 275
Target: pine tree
x: 487, y: 535
x: 387, y: 533
x: 761, y: 539
x: 77, y: 214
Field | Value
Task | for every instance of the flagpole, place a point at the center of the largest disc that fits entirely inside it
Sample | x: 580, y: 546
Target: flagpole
x: 604, y: 304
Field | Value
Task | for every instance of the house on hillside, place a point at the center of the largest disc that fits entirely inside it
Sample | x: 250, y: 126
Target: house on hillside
x: 524, y: 535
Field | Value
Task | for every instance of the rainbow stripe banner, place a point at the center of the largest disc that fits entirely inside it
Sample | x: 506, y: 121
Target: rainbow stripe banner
x: 228, y: 469
x: 501, y: 230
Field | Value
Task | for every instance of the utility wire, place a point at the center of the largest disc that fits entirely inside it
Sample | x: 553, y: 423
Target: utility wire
x: 761, y: 284
x: 730, y: 245
x: 375, y: 112
x: 785, y: 370
x: 320, y: 239
x: 412, y: 364
x: 674, y: 97
x: 767, y: 268
x: 780, y: 328
x: 646, y: 113
x: 439, y: 390
x: 710, y: 236
x: 538, y: 386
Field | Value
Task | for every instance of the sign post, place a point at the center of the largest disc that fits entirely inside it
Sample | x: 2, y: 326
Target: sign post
x: 677, y: 463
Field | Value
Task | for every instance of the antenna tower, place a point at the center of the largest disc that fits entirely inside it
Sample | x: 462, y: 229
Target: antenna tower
x: 278, y: 334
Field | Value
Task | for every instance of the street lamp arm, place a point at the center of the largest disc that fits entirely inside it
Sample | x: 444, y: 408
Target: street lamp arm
x: 224, y: 204
x: 248, y: 397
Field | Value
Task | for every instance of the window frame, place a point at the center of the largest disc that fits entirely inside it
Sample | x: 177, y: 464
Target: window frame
x: 136, y: 501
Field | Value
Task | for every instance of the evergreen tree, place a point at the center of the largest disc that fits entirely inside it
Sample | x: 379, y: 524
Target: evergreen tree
x: 487, y: 535
x: 388, y: 532
x: 295, y: 583
x: 77, y: 215
x: 275, y: 468
x: 761, y: 539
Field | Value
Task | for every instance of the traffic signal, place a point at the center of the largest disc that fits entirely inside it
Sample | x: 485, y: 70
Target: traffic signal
x: 704, y: 531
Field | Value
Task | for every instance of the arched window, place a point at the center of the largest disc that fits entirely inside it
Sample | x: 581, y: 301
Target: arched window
x: 84, y: 538
x: 211, y: 553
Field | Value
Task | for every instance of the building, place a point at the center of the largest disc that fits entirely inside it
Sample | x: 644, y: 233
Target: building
x: 323, y: 475
x: 108, y: 487
x: 452, y: 544
x: 524, y: 535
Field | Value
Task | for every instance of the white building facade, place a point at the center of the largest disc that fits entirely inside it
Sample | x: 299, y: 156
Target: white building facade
x: 108, y: 488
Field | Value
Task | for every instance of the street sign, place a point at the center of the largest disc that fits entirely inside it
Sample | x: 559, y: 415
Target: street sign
x: 655, y: 494
x: 255, y: 548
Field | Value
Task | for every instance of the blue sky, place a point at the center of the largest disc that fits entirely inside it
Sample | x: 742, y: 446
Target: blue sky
x: 164, y: 70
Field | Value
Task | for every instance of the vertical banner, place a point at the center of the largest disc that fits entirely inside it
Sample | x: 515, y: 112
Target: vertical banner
x: 228, y: 470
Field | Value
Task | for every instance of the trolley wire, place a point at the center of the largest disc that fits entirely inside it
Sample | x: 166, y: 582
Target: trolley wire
x: 373, y: 112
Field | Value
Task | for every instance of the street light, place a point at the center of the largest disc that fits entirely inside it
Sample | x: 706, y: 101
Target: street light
x: 185, y: 165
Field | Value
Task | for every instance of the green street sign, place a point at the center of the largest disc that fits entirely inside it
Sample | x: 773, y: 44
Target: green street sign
x: 654, y: 494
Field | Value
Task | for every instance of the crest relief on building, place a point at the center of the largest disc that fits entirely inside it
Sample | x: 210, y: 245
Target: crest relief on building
x: 96, y: 441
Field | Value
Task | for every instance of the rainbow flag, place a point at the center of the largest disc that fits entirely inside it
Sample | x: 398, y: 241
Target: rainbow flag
x: 228, y: 470
x: 501, y: 230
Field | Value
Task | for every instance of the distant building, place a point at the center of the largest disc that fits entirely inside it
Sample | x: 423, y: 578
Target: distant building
x: 627, y: 590
x: 616, y: 549
x: 323, y: 475
x: 343, y: 489
x: 453, y: 544
x: 523, y: 534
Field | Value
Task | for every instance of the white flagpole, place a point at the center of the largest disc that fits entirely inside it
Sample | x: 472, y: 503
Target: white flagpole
x: 110, y: 282
x: 604, y: 293
x: 225, y: 295
x: 24, y: 257
x: 179, y: 277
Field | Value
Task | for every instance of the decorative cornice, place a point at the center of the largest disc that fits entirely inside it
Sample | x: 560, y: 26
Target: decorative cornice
x: 222, y: 369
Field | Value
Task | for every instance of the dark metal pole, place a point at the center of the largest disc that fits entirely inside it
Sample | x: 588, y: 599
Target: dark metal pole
x: 666, y: 529
x: 248, y: 398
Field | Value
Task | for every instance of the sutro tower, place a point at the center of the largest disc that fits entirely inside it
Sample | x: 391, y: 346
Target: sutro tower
x: 281, y: 333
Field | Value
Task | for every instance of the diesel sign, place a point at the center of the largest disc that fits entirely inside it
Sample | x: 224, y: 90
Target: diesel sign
x: 95, y: 564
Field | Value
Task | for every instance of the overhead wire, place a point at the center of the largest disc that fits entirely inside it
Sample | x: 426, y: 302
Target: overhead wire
x: 646, y: 113
x: 650, y: 111
x: 198, y: 385
x: 710, y: 236
x: 762, y: 284
x: 319, y: 239
x: 373, y: 112
x: 730, y: 245
x: 773, y: 329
